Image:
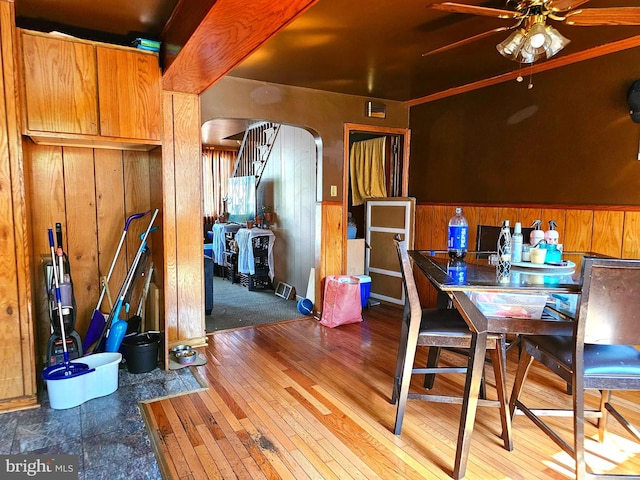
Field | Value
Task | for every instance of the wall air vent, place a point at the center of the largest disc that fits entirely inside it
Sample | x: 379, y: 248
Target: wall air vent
x: 375, y: 109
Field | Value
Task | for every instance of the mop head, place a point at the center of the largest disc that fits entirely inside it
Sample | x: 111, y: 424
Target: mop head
x: 66, y: 370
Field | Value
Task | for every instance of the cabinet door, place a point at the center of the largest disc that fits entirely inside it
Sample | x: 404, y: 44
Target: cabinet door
x: 60, y: 85
x: 129, y: 98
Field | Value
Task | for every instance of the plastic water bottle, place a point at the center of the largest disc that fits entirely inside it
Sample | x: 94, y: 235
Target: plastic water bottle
x: 516, y: 243
x: 504, y: 253
x: 458, y: 235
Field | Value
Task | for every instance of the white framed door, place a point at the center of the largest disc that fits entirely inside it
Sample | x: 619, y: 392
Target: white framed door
x: 386, y: 218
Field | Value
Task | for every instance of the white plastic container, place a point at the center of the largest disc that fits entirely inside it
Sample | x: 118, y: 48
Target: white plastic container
x: 551, y: 236
x: 71, y: 392
x: 537, y: 235
x: 515, y: 305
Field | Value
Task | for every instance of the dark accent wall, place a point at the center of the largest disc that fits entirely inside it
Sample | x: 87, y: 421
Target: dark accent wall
x: 567, y: 140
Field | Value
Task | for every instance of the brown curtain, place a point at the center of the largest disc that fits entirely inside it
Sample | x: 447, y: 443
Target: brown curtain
x: 367, y: 170
x: 217, y: 168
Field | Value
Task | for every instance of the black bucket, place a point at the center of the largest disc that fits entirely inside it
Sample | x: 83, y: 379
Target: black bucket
x: 141, y: 352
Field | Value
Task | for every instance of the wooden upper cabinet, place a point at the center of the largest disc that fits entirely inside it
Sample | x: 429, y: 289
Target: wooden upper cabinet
x: 60, y: 85
x: 84, y: 93
x: 129, y: 100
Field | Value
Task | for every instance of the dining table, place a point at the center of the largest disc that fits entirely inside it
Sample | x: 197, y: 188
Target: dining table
x: 476, y: 277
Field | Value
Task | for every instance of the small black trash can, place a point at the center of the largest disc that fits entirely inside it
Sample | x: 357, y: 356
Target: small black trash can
x: 141, y: 352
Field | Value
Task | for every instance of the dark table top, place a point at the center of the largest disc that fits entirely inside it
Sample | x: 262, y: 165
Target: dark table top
x: 476, y: 273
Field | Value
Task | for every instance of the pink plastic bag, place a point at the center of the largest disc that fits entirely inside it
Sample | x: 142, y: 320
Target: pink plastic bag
x: 342, y: 303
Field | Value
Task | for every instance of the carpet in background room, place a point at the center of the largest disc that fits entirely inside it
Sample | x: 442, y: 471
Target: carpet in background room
x: 234, y: 306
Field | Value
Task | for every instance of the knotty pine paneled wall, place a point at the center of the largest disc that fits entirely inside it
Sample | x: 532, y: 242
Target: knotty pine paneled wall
x: 182, y: 213
x: 330, y: 244
x: 91, y: 192
x: 613, y: 231
x: 17, y: 353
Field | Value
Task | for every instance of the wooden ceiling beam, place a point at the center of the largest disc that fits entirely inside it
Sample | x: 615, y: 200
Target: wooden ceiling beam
x: 588, y: 54
x: 229, y: 32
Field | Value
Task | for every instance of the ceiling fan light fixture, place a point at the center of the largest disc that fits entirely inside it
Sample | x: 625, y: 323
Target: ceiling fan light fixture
x: 558, y: 42
x: 512, y: 45
x: 537, y: 38
x: 530, y: 44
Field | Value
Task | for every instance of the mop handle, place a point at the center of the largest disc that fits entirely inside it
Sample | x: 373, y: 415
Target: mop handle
x: 113, y: 264
x: 58, y: 299
x: 138, y: 255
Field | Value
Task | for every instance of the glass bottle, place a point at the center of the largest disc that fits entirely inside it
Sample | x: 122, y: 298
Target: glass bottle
x: 458, y: 236
x: 504, y: 253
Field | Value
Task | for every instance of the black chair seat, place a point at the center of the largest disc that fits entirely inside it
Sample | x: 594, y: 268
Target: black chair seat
x: 598, y: 359
x: 446, y: 322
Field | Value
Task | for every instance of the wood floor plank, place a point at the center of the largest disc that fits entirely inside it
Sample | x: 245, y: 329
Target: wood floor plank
x: 208, y: 463
x: 183, y: 440
x: 299, y: 400
x: 222, y: 464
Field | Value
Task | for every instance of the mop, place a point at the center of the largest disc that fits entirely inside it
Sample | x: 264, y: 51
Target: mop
x: 110, y: 338
x: 66, y: 369
x: 98, y: 320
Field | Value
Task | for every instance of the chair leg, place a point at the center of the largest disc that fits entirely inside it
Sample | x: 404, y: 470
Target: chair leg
x: 498, y: 361
x: 578, y: 429
x: 402, y: 351
x: 605, y: 397
x: 521, y: 374
x: 432, y: 362
x: 405, y: 368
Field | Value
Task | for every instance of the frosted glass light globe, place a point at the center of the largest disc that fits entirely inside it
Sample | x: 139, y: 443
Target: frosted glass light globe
x: 537, y: 40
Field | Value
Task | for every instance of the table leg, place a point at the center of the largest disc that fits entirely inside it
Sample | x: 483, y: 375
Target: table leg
x: 477, y: 354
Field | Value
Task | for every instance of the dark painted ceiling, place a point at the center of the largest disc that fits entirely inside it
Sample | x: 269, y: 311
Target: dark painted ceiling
x: 363, y: 47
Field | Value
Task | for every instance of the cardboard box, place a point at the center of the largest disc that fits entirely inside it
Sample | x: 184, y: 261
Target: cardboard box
x: 355, y: 256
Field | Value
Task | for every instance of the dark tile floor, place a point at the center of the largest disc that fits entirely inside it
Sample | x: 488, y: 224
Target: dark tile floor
x: 107, y: 433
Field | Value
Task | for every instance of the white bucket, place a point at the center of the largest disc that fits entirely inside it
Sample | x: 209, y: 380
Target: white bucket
x: 74, y: 391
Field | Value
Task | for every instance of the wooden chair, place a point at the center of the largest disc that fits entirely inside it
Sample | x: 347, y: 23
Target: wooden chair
x: 599, y: 355
x: 438, y: 328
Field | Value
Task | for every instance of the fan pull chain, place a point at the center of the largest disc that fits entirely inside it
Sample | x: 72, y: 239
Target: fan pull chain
x: 519, y: 77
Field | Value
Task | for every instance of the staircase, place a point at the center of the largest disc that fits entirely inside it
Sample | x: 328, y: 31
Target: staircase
x: 255, y: 149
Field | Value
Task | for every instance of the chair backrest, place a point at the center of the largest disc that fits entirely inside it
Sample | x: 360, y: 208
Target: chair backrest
x: 609, y: 309
x: 412, y: 307
x: 487, y: 237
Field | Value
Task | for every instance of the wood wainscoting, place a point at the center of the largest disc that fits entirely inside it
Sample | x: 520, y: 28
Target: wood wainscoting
x: 609, y: 230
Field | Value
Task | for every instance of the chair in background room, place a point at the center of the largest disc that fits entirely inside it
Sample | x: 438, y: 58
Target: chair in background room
x: 600, y: 354
x: 487, y: 238
x: 438, y: 328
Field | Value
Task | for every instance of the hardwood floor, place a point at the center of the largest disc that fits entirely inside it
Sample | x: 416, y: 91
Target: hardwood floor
x: 298, y: 400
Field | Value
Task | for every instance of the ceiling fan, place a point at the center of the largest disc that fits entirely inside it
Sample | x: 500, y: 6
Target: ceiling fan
x: 533, y: 38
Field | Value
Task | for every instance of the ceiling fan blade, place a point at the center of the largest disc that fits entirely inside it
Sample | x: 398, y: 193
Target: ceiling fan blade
x: 467, y: 40
x: 604, y: 16
x: 473, y: 10
x: 564, y: 5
